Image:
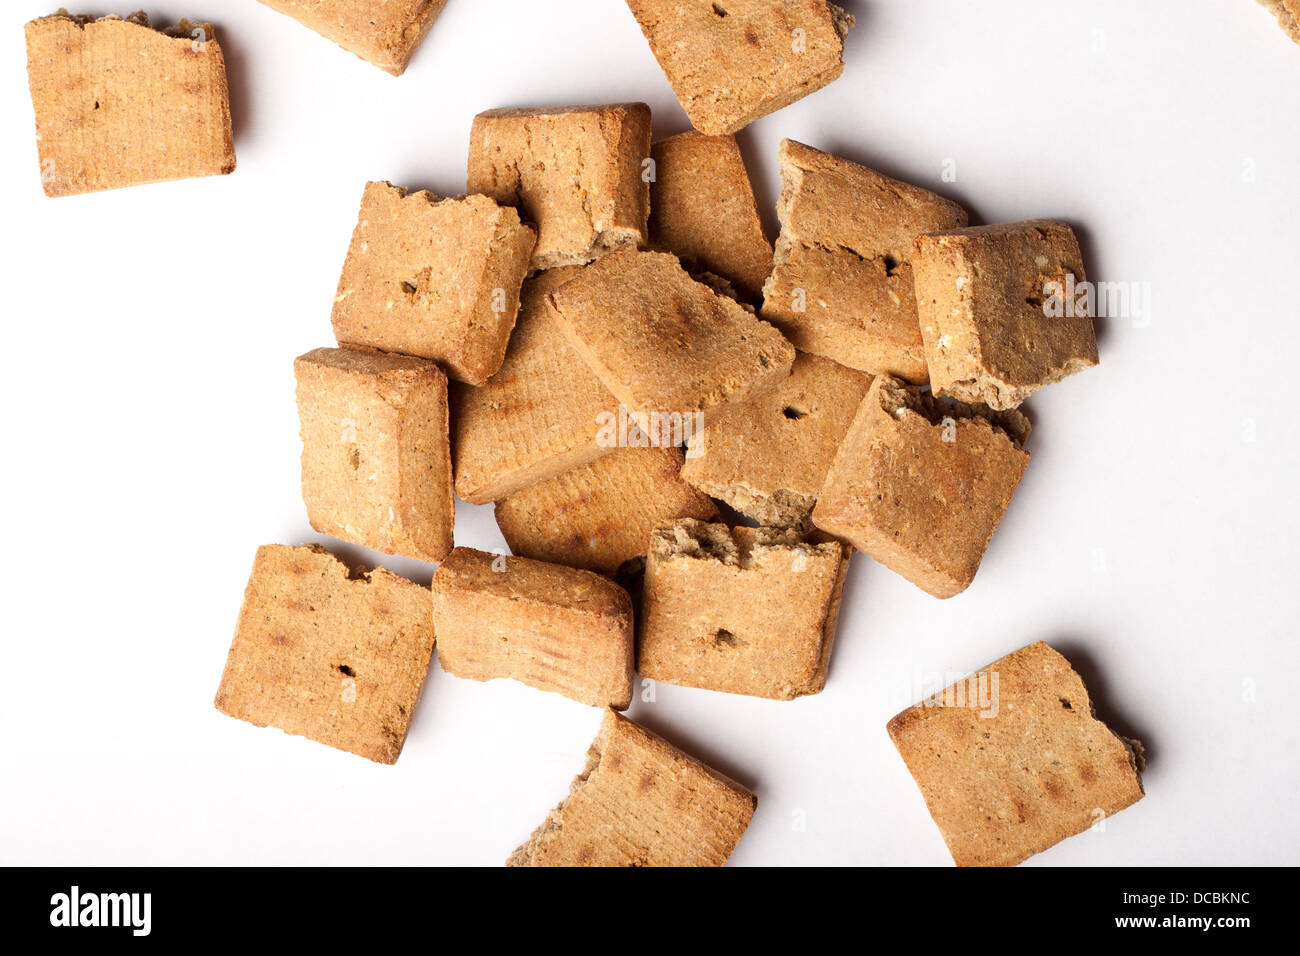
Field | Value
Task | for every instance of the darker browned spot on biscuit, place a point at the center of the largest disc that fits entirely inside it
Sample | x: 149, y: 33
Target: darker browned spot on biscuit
x: 1053, y: 788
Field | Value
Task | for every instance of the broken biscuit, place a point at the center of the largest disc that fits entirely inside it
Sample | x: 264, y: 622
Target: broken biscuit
x: 384, y: 34
x: 119, y: 103
x: 769, y: 458
x: 731, y: 62
x: 1012, y: 760
x: 742, y: 610
x: 641, y: 802
x: 324, y: 652
x: 437, y: 278
x: 662, y: 342
x: 1288, y: 15
x: 921, y: 484
x: 576, y: 172
x: 1000, y: 311
x: 702, y: 209
x: 842, y: 283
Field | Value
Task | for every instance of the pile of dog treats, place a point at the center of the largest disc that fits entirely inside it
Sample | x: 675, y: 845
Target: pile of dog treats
x: 686, y: 431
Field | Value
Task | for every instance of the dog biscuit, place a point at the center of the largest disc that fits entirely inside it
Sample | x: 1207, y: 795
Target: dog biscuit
x: 328, y: 653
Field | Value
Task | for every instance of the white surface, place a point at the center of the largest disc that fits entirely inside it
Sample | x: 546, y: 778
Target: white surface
x: 152, y: 442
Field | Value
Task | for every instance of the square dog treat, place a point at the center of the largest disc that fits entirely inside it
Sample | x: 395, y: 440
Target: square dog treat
x: 744, y: 610
x: 538, y: 416
x: 1288, y: 15
x: 842, y: 284
x: 601, y: 515
x: 1012, y: 760
x: 641, y: 802
x: 551, y: 627
x: 662, y: 342
x: 576, y: 172
x: 702, y: 210
x: 731, y: 62
x: 376, y: 469
x: 119, y: 103
x: 769, y: 458
x: 437, y: 278
x: 999, y: 312
x: 328, y: 653
x: 384, y: 33
x: 921, y: 485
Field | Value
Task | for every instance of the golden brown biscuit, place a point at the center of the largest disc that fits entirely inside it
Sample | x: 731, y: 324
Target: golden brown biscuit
x: 376, y: 469
x: 1288, y: 15
x: 437, y: 278
x: 119, y: 103
x: 641, y: 802
x: 1012, y: 760
x: 601, y: 515
x: 662, y: 342
x: 921, y: 484
x: 702, y: 210
x: 742, y: 610
x: 328, y: 653
x: 576, y: 172
x: 538, y: 416
x: 769, y: 458
x: 551, y: 627
x: 842, y: 283
x: 1000, y: 314
x: 383, y: 32
x: 732, y: 61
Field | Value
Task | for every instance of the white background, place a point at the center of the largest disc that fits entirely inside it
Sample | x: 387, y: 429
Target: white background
x: 150, y: 441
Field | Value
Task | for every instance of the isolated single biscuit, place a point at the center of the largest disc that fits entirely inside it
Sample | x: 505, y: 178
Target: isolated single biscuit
x: 641, y: 802
x: 437, y: 278
x: 842, y: 283
x: 384, y: 33
x: 1003, y: 310
x: 921, y: 484
x: 1012, y: 760
x: 541, y: 413
x: 1288, y: 15
x: 119, y: 103
x: 325, y: 652
x: 742, y: 610
x: 732, y: 61
x: 554, y: 628
x: 601, y: 515
x: 376, y: 468
x: 578, y: 173
x: 769, y: 458
x: 702, y: 210
x: 662, y: 342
